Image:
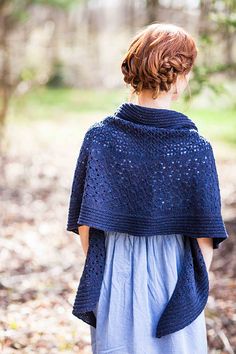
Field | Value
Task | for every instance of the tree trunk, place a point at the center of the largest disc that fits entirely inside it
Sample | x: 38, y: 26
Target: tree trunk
x: 5, y: 85
x: 152, y: 11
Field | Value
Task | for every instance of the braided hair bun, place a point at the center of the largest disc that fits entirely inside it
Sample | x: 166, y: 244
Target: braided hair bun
x: 157, y: 54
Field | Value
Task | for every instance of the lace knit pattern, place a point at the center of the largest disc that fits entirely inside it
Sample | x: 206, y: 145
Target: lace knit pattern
x: 147, y: 171
x: 139, y: 179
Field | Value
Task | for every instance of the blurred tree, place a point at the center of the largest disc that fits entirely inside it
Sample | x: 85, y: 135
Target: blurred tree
x: 225, y: 22
x: 56, y: 79
x: 217, y: 22
x: 13, y: 12
x: 152, y: 10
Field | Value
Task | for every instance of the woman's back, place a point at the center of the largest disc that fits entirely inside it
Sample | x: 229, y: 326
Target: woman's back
x: 146, y: 186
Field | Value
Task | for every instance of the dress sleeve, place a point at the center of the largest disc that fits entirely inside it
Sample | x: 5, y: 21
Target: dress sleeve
x: 78, y: 182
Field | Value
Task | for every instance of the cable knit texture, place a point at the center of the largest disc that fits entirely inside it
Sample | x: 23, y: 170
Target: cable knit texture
x: 147, y: 171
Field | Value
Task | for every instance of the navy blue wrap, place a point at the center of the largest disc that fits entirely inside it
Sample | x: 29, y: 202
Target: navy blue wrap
x: 147, y: 171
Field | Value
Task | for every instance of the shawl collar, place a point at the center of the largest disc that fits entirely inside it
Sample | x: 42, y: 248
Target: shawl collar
x: 158, y: 117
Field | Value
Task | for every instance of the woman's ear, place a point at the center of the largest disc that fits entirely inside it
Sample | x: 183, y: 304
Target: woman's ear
x: 189, y: 76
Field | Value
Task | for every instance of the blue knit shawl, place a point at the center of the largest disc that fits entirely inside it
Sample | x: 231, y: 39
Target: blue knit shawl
x: 147, y: 171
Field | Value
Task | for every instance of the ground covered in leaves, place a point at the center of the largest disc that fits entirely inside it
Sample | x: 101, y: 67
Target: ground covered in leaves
x: 41, y: 262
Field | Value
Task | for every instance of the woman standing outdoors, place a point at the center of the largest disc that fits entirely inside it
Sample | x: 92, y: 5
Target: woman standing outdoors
x: 158, y: 200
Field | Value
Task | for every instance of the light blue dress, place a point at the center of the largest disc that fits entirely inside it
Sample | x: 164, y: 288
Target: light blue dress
x: 139, y: 277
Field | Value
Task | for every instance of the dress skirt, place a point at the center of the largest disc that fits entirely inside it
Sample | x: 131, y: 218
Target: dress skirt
x: 139, y: 278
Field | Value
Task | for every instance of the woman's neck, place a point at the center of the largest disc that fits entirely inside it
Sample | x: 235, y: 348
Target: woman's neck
x: 162, y: 101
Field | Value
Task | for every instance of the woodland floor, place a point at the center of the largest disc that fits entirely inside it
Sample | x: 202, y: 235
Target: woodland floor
x: 41, y: 262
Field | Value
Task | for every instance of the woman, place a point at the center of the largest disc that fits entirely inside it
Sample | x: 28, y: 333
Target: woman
x: 144, y: 260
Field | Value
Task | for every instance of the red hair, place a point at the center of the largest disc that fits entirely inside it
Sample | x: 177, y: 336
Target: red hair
x: 157, y: 54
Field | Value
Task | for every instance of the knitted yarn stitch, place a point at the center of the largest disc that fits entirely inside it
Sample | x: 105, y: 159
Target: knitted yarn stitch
x: 147, y: 171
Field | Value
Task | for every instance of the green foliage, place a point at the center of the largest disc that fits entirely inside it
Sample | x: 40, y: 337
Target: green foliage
x: 221, y: 16
x: 57, y: 76
x: 225, y: 20
x: 46, y: 102
x: 17, y: 11
x: 64, y: 4
x: 216, y: 122
x: 202, y: 77
x: 226, y: 17
x: 28, y: 74
x: 205, y: 39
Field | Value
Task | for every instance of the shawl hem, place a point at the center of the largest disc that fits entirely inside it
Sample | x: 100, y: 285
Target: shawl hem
x: 210, y: 226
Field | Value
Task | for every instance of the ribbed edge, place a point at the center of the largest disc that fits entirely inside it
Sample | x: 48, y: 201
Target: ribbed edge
x: 158, y: 117
x: 190, y: 294
x: 193, y: 226
x: 88, y: 317
x: 184, y: 313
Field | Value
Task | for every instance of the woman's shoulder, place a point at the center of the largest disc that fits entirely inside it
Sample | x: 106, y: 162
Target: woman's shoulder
x: 197, y: 140
x: 97, y: 127
x: 189, y: 140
